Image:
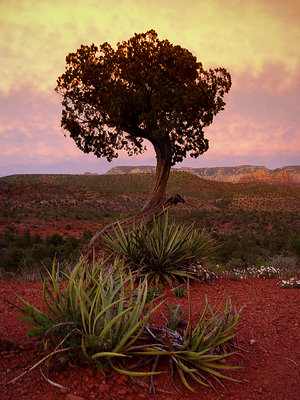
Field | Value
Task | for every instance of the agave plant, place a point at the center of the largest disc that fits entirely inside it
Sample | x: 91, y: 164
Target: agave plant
x: 95, y: 310
x: 164, y: 251
x: 198, y: 352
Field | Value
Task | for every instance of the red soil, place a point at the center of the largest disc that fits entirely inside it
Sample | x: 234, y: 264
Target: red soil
x: 44, y: 228
x: 268, y: 335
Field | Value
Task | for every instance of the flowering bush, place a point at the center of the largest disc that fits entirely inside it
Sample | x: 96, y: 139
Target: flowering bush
x: 292, y: 283
x: 205, y: 275
x: 264, y: 272
x: 236, y: 274
x: 258, y: 272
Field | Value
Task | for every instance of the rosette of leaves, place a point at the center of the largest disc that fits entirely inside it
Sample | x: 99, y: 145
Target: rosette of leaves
x: 174, y: 316
x: 98, y: 311
x: 199, y: 352
x: 163, y: 251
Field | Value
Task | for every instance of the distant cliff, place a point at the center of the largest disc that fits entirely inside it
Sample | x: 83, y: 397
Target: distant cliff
x: 244, y: 173
x: 130, y: 170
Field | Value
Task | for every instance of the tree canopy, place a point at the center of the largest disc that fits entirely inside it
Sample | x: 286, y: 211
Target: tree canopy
x: 146, y: 88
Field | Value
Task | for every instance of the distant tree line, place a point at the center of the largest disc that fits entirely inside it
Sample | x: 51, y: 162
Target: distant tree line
x: 26, y: 250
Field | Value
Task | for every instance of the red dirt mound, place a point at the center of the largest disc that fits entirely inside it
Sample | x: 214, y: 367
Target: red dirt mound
x: 268, y: 338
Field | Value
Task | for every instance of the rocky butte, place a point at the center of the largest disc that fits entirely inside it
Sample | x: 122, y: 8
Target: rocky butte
x: 245, y: 173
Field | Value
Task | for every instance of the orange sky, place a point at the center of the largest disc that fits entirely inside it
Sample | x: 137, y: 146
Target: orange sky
x: 257, y: 41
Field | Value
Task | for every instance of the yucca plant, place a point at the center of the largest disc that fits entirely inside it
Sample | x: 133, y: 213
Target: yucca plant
x: 198, y: 352
x: 96, y: 310
x: 201, y: 353
x: 163, y: 251
x: 125, y: 243
x: 175, y: 316
x: 101, y: 312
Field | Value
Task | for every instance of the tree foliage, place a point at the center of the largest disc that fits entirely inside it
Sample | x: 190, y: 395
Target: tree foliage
x: 146, y: 88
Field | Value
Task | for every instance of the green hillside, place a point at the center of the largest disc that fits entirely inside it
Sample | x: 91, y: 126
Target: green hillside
x: 253, y: 221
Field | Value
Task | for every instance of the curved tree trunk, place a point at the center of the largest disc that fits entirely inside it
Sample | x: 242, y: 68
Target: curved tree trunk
x: 163, y: 152
x: 154, y: 206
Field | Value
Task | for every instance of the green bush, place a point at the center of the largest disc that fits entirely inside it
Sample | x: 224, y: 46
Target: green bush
x: 27, y: 252
x: 99, y: 313
x: 294, y: 243
x: 154, y: 291
x: 163, y: 251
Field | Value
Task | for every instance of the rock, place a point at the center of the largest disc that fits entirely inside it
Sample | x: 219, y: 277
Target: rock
x: 241, y: 174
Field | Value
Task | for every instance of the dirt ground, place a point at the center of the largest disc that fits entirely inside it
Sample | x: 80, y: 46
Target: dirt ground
x: 267, y: 336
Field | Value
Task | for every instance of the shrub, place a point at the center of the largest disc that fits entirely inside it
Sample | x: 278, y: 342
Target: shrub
x: 283, y: 262
x: 163, y: 251
x: 27, y: 252
x: 235, y: 263
x: 98, y: 313
x: 292, y: 283
x: 264, y: 272
x: 154, y: 291
x: 294, y: 243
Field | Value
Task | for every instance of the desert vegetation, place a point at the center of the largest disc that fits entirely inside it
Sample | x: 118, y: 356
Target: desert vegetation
x: 123, y: 312
x: 25, y: 253
x: 101, y: 313
x: 67, y: 205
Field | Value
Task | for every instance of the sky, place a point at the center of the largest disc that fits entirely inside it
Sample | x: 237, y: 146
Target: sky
x: 257, y: 41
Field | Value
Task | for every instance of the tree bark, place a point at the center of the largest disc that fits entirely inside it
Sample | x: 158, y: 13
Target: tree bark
x: 154, y: 206
x: 163, y: 153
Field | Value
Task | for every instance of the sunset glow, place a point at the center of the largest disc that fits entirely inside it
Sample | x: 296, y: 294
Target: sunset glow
x: 258, y: 42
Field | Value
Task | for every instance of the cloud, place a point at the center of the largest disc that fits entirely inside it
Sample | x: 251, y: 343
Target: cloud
x: 257, y: 123
x: 258, y: 42
x: 32, y: 141
x: 246, y: 138
x: 36, y: 35
x: 251, y: 130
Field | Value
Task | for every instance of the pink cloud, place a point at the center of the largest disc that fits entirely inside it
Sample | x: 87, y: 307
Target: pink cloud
x: 257, y: 126
x: 274, y: 78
